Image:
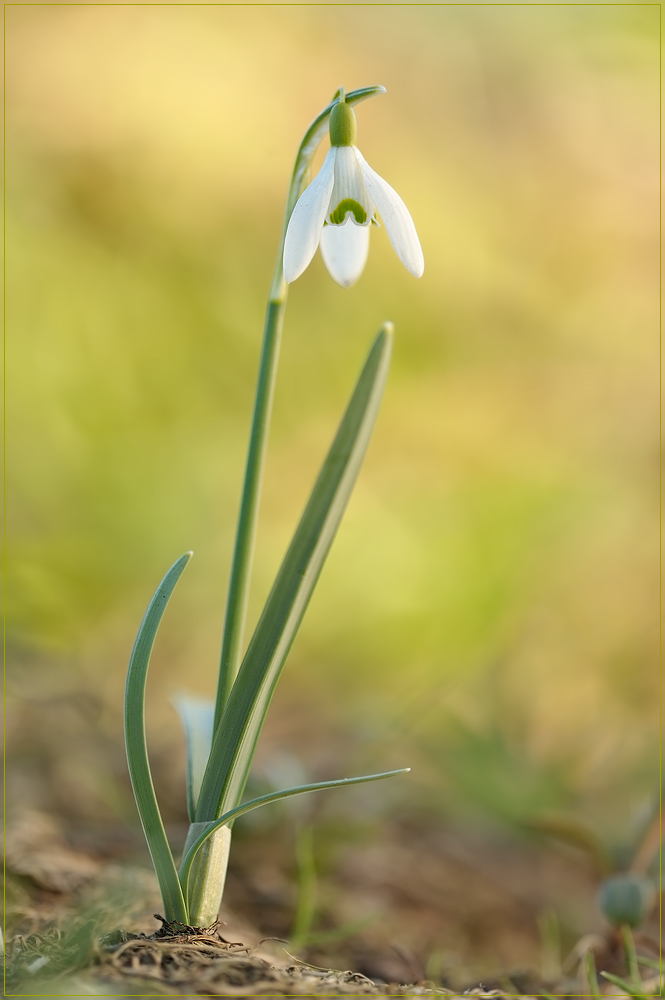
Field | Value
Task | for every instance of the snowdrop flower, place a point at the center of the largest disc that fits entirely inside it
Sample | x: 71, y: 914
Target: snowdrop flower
x: 338, y: 207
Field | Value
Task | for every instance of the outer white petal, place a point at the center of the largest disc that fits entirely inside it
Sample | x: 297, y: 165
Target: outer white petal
x: 304, y: 230
x: 344, y: 250
x: 396, y: 218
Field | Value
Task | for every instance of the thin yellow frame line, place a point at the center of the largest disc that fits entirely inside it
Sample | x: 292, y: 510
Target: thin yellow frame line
x: 660, y: 482
x: 4, y: 494
x: 533, y: 3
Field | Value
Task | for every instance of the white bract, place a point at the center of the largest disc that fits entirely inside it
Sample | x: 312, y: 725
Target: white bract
x: 338, y: 207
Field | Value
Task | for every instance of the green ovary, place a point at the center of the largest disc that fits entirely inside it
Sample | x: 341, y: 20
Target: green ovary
x: 348, y: 205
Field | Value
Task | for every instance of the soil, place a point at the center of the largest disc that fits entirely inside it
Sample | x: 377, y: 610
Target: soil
x: 179, y: 961
x: 61, y: 903
x: 201, y: 961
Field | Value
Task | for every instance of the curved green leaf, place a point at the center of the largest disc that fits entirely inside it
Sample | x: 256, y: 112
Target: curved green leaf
x: 263, y: 800
x: 236, y: 735
x: 137, y: 750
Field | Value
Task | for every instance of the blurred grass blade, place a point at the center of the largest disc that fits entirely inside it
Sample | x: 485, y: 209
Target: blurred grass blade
x: 630, y: 953
x: 574, y: 831
x: 650, y: 963
x: 630, y: 989
x: 197, y: 716
x: 591, y: 977
x: 239, y: 728
x: 264, y: 800
x: 306, y: 899
x: 137, y: 750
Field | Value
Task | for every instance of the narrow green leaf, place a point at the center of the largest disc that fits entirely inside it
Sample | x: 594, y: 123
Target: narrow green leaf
x: 650, y: 963
x: 137, y: 749
x: 631, y: 989
x: 592, y: 979
x: 306, y: 898
x: 197, y: 716
x: 630, y: 952
x: 263, y: 800
x: 236, y: 735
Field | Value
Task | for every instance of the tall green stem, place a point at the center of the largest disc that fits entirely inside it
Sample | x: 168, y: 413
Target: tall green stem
x: 236, y: 605
x: 206, y: 876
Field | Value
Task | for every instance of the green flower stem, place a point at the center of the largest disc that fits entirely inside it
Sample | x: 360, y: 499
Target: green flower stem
x: 207, y: 885
x: 236, y: 605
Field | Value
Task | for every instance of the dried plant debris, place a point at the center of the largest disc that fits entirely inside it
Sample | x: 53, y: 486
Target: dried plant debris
x: 179, y: 960
x: 182, y: 960
x: 200, y: 961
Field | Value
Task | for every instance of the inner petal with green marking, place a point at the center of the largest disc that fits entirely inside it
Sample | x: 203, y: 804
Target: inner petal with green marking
x: 348, y: 207
x: 349, y: 198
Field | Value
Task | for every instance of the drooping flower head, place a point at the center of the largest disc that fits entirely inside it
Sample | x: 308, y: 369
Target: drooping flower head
x: 339, y: 206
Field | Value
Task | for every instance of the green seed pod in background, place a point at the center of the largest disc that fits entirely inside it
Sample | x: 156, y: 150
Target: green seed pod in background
x: 626, y: 899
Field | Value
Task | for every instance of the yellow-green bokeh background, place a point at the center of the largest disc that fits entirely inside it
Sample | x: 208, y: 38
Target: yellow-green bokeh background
x: 488, y: 611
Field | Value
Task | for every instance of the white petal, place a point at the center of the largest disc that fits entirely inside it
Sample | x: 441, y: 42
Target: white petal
x: 344, y: 250
x: 304, y: 230
x: 397, y: 220
x: 349, y: 196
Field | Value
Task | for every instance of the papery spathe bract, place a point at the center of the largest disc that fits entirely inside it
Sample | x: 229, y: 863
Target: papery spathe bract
x: 337, y: 209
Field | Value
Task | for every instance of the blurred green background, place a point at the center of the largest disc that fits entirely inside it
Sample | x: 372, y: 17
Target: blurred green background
x: 488, y: 611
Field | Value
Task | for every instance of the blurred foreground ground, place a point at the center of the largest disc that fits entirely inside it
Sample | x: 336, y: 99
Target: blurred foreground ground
x: 488, y: 612
x: 407, y: 906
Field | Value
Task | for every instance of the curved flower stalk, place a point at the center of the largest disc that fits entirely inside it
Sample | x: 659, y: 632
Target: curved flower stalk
x: 222, y: 737
x: 239, y: 583
x: 338, y: 208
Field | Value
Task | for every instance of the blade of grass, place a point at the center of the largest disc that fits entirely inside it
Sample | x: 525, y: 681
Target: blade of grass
x: 197, y: 716
x: 591, y: 977
x: 306, y: 899
x: 650, y: 963
x: 137, y: 749
x: 631, y: 954
x: 263, y: 800
x: 631, y: 989
x: 236, y: 735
